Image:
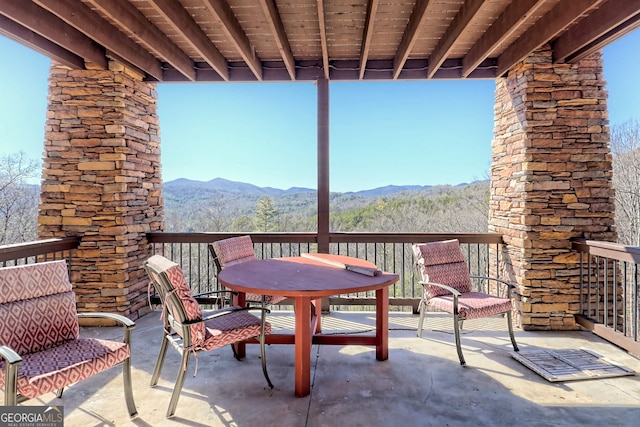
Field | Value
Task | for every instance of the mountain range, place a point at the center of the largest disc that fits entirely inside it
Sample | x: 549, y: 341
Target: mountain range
x: 240, y: 198
x: 228, y: 186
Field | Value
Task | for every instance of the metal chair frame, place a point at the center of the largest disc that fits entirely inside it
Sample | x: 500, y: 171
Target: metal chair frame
x: 457, y: 320
x: 178, y: 333
x: 13, y: 360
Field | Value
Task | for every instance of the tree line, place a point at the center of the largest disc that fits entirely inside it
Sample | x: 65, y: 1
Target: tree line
x: 440, y: 209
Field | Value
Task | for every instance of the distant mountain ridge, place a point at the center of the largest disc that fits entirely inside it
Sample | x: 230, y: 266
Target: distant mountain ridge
x: 228, y: 186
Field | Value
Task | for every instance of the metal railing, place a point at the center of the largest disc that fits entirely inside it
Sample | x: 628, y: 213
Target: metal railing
x: 609, y: 273
x: 38, y: 251
x: 388, y: 251
x: 609, y: 303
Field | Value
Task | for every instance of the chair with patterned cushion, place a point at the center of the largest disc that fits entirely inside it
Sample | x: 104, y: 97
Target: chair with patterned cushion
x: 235, y: 250
x: 40, y: 346
x: 447, y: 287
x: 190, y: 330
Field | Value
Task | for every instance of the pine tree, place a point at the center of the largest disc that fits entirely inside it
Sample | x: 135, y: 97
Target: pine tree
x: 266, y: 215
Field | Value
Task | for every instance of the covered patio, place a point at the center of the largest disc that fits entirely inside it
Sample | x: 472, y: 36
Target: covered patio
x: 550, y: 184
x: 551, y: 164
x: 422, y: 383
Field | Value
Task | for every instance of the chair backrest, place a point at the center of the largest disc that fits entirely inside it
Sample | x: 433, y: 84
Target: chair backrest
x: 443, y: 262
x: 177, y: 302
x: 234, y: 250
x: 37, y: 307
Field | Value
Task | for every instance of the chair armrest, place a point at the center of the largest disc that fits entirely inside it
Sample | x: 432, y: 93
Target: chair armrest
x: 506, y: 284
x: 455, y: 292
x: 10, y: 356
x: 123, y: 321
x: 128, y: 324
x: 13, y: 360
x: 226, y: 291
x: 225, y: 312
x: 204, y: 298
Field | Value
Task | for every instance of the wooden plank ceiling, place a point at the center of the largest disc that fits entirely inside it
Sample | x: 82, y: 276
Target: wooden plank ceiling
x: 283, y: 40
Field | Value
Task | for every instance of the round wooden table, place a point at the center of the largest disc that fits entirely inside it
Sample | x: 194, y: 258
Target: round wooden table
x: 304, y: 280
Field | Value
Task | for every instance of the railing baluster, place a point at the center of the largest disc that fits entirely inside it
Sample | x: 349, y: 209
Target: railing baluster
x: 610, y: 287
x: 634, y: 299
x: 390, y: 252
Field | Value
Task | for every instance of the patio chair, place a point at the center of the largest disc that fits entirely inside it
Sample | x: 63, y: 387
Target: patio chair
x: 40, y: 347
x: 446, y: 285
x: 235, y: 250
x: 190, y: 330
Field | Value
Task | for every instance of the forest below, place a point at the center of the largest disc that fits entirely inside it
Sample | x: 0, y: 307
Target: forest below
x: 194, y: 206
x: 226, y: 206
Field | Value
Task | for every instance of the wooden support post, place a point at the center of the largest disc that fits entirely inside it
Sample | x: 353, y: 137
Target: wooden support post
x: 323, y: 166
x: 323, y: 173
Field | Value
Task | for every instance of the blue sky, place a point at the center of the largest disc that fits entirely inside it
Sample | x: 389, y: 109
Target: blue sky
x: 426, y: 133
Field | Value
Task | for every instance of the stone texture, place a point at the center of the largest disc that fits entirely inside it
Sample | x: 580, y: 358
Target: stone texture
x: 102, y: 181
x: 550, y: 181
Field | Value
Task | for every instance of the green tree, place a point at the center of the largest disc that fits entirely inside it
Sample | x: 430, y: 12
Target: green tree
x: 266, y: 215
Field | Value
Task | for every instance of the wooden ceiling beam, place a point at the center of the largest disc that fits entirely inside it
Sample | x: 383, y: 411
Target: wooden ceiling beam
x: 91, y: 24
x: 48, y: 26
x: 372, y: 10
x: 323, y: 38
x: 183, y: 23
x: 611, y: 36
x: 25, y: 36
x: 545, y: 29
x: 280, y: 35
x: 460, y: 22
x: 410, y: 35
x: 511, y: 18
x: 124, y: 13
x: 232, y: 28
x: 602, y: 21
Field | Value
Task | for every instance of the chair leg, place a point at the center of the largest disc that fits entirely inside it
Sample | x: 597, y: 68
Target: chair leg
x: 456, y: 329
x: 11, y: 385
x: 128, y: 390
x: 159, y: 361
x: 235, y: 352
x: 513, y: 338
x: 177, y: 388
x: 422, y: 307
x: 263, y: 338
x: 59, y: 392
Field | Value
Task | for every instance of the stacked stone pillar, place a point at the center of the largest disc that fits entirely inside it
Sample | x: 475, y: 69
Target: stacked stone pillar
x: 550, y: 181
x: 102, y: 181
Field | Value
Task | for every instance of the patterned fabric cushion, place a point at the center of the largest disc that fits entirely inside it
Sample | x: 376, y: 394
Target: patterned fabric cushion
x: 191, y: 306
x: 443, y: 262
x: 269, y: 299
x: 472, y: 305
x: 231, y: 328
x: 75, y: 360
x: 37, y: 307
x: 444, y: 252
x: 33, y: 280
x: 234, y: 251
x: 36, y: 324
x: 237, y: 250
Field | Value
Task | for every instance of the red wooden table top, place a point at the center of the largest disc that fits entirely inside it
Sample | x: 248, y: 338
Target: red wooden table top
x: 300, y: 276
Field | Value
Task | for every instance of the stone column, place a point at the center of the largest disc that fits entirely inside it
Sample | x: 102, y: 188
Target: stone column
x: 101, y: 181
x: 550, y: 181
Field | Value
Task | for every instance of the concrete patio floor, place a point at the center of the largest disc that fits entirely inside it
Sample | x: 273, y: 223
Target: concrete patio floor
x: 421, y: 384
